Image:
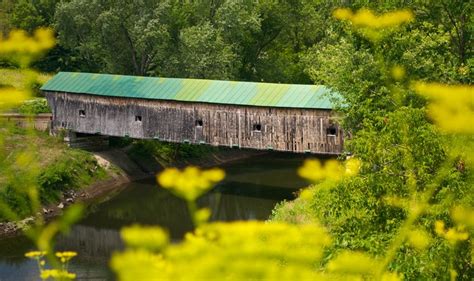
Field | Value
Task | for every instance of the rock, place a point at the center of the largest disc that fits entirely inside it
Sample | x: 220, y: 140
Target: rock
x: 69, y: 200
x: 61, y: 205
x: 29, y: 220
x: 10, y: 227
x: 70, y: 194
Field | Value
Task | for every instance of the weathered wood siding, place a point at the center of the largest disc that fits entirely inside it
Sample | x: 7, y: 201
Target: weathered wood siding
x: 283, y: 129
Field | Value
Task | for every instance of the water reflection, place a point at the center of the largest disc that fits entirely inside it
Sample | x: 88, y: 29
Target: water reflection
x: 250, y: 191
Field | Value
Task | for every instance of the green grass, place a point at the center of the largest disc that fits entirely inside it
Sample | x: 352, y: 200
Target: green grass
x: 51, y: 167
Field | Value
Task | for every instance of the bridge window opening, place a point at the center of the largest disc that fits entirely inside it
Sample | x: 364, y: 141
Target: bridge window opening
x: 331, y: 130
x: 82, y: 113
x: 257, y: 127
x: 138, y: 118
x: 198, y: 123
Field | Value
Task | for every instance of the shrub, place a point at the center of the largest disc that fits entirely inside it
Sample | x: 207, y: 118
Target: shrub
x: 34, y: 106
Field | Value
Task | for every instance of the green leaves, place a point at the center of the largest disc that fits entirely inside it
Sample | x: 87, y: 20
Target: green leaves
x: 205, y: 54
x: 129, y: 37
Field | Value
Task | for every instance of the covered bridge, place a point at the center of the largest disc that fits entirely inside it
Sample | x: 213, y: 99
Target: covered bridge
x: 284, y: 117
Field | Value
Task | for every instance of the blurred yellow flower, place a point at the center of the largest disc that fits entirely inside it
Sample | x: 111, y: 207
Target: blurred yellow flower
x: 35, y: 254
x: 391, y: 276
x: 463, y: 216
x: 353, y: 263
x: 21, y: 48
x: 151, y: 238
x: 231, y: 251
x: 452, y: 235
x: 202, y: 215
x: 11, y: 96
x: 57, y: 274
x: 306, y: 194
x: 352, y: 166
x: 451, y: 107
x: 367, y: 19
x: 342, y: 14
x: 139, y: 264
x: 374, y: 27
x: 398, y: 72
x: 190, y: 183
x: 65, y: 256
x: 313, y: 171
x: 419, y: 239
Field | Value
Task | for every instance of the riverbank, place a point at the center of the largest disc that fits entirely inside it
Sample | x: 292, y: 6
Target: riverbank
x: 39, y: 165
x: 120, y: 166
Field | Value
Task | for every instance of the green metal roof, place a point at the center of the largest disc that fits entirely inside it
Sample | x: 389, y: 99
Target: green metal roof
x: 192, y: 90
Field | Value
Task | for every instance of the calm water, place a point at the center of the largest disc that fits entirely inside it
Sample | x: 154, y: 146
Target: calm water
x: 250, y: 191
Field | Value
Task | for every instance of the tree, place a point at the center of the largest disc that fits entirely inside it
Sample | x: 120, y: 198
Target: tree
x: 205, y: 54
x: 127, y: 37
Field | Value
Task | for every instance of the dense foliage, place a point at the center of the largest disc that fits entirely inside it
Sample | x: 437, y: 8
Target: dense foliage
x: 276, y: 41
x: 406, y: 161
x: 409, y: 210
x: 34, y: 106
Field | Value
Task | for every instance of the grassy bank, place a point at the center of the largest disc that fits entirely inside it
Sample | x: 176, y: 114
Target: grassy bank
x: 35, y: 159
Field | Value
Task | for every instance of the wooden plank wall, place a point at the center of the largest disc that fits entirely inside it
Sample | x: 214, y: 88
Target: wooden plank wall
x: 282, y: 129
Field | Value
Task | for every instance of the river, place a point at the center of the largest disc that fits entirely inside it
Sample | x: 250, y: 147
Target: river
x: 251, y: 189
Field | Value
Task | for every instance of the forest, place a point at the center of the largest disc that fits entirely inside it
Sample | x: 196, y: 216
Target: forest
x: 397, y: 204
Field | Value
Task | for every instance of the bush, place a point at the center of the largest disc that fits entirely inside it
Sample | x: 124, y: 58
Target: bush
x: 168, y: 152
x: 34, y: 106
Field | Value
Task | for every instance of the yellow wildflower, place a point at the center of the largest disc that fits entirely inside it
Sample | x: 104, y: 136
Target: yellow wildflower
x: 349, y: 262
x: 367, y: 19
x: 372, y: 26
x: 439, y: 227
x: 419, y: 239
x: 57, y: 274
x: 463, y: 216
x: 342, y: 14
x: 11, y: 96
x: 306, y: 194
x: 22, y: 49
x: 190, y: 183
x: 35, y: 254
x: 398, y: 72
x: 452, y: 235
x: 202, y: 215
x: 452, y: 106
x: 65, y: 256
x: 138, y: 264
x: 223, y: 251
x: 313, y: 171
x: 352, y: 166
x: 151, y: 238
x: 390, y: 276
x: 333, y: 169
